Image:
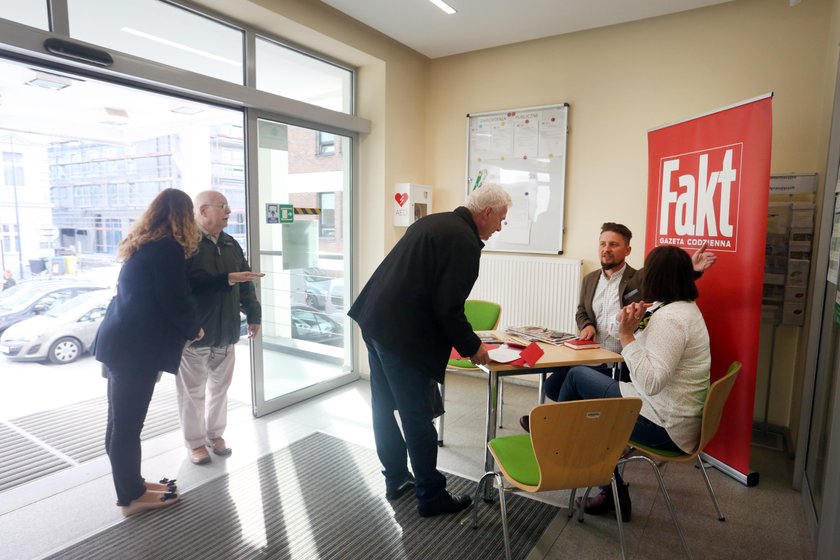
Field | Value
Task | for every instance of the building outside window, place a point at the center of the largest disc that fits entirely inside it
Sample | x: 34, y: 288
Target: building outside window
x: 13, y: 169
x: 326, y: 144
x: 11, y: 241
x: 326, y: 202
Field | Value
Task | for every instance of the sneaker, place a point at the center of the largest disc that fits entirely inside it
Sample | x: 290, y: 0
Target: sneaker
x: 397, y: 492
x: 199, y: 456
x: 219, y: 446
x: 444, y: 504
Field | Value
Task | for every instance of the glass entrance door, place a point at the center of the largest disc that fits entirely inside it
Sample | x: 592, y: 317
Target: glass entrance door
x: 301, y: 218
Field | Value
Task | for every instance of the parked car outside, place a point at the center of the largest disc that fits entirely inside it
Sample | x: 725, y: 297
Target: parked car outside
x: 310, y: 324
x: 62, y: 334
x: 335, y: 303
x: 317, y: 285
x: 36, y: 297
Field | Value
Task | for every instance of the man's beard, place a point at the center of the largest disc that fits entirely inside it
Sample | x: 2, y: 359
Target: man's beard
x: 612, y: 264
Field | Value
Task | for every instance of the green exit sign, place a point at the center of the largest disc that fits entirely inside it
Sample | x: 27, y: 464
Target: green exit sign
x: 287, y: 213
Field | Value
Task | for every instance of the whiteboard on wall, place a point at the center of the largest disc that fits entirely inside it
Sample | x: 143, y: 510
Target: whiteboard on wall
x: 524, y: 151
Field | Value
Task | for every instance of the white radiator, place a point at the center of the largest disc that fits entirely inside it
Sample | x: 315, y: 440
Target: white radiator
x: 532, y: 290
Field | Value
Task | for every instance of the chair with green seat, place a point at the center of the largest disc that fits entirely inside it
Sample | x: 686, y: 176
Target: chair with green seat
x: 571, y: 445
x: 712, y: 412
x: 482, y: 316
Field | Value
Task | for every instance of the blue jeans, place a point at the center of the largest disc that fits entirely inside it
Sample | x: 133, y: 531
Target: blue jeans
x: 556, y: 379
x: 584, y: 382
x: 397, y: 384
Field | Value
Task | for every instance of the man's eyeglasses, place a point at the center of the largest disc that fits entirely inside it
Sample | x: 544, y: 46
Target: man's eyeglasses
x: 222, y: 206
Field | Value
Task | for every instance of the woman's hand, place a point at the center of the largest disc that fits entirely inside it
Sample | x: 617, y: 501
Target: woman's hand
x: 628, y: 321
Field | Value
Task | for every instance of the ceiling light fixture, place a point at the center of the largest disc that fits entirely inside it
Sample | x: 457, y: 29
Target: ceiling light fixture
x: 443, y: 6
x: 49, y: 81
x: 115, y: 116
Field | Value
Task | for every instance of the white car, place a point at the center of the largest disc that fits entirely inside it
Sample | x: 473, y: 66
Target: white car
x: 60, y: 335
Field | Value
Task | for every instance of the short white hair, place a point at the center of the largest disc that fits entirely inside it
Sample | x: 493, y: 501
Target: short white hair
x: 489, y: 195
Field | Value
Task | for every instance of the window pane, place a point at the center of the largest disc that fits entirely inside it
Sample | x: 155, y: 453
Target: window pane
x: 161, y: 32
x: 304, y: 262
x: 32, y: 12
x: 12, y: 169
x: 286, y: 72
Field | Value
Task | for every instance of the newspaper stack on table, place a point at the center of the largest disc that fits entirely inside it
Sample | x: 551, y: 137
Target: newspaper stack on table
x: 540, y: 334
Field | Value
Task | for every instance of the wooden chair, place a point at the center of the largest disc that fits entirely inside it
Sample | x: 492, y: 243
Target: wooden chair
x: 712, y: 411
x: 571, y: 445
x: 482, y: 316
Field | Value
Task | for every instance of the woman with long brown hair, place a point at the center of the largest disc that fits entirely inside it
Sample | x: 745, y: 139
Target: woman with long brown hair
x: 145, y: 329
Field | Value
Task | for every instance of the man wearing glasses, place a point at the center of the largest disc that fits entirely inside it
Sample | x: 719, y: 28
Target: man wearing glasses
x: 222, y: 284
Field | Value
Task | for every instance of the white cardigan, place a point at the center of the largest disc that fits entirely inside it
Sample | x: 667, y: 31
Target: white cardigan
x: 669, y: 366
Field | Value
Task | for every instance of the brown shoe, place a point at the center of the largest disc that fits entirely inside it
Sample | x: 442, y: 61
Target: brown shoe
x: 199, y: 456
x: 219, y: 446
x: 604, y: 503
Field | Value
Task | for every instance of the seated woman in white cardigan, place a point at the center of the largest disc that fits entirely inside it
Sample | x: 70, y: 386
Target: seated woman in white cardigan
x: 665, y: 345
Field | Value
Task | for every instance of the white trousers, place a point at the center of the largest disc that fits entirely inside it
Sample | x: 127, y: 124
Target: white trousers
x: 203, y: 381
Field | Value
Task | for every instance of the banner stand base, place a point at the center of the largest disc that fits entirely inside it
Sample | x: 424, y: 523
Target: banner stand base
x: 748, y: 480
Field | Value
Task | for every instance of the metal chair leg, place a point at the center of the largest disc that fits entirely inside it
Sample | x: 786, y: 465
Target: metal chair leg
x: 659, y: 479
x: 439, y: 419
x: 583, y: 504
x: 500, y: 481
x: 503, y: 510
x: 710, y: 489
x: 501, y: 401
x: 572, y: 502
x: 481, y: 482
x: 617, y: 518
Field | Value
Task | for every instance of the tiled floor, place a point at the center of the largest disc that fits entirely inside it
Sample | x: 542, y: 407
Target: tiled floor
x: 763, y: 522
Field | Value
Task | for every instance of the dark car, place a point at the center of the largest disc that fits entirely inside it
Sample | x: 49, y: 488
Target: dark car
x: 36, y: 297
x: 310, y: 324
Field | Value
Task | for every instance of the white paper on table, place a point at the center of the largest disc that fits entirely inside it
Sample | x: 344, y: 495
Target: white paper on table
x: 503, y: 354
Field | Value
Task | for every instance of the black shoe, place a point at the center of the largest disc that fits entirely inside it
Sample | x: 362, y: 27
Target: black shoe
x: 604, y: 503
x: 445, y: 503
x: 397, y: 492
x: 525, y: 422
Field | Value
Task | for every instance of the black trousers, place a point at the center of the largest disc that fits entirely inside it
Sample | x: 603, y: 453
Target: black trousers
x: 129, y: 395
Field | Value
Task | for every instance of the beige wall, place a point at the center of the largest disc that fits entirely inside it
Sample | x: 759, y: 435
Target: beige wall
x: 621, y: 81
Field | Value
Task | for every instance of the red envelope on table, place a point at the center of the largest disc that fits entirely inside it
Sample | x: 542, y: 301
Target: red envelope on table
x: 529, y: 356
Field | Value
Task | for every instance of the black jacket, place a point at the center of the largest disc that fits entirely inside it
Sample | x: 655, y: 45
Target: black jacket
x: 414, y: 302
x: 152, y: 316
x: 219, y: 302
